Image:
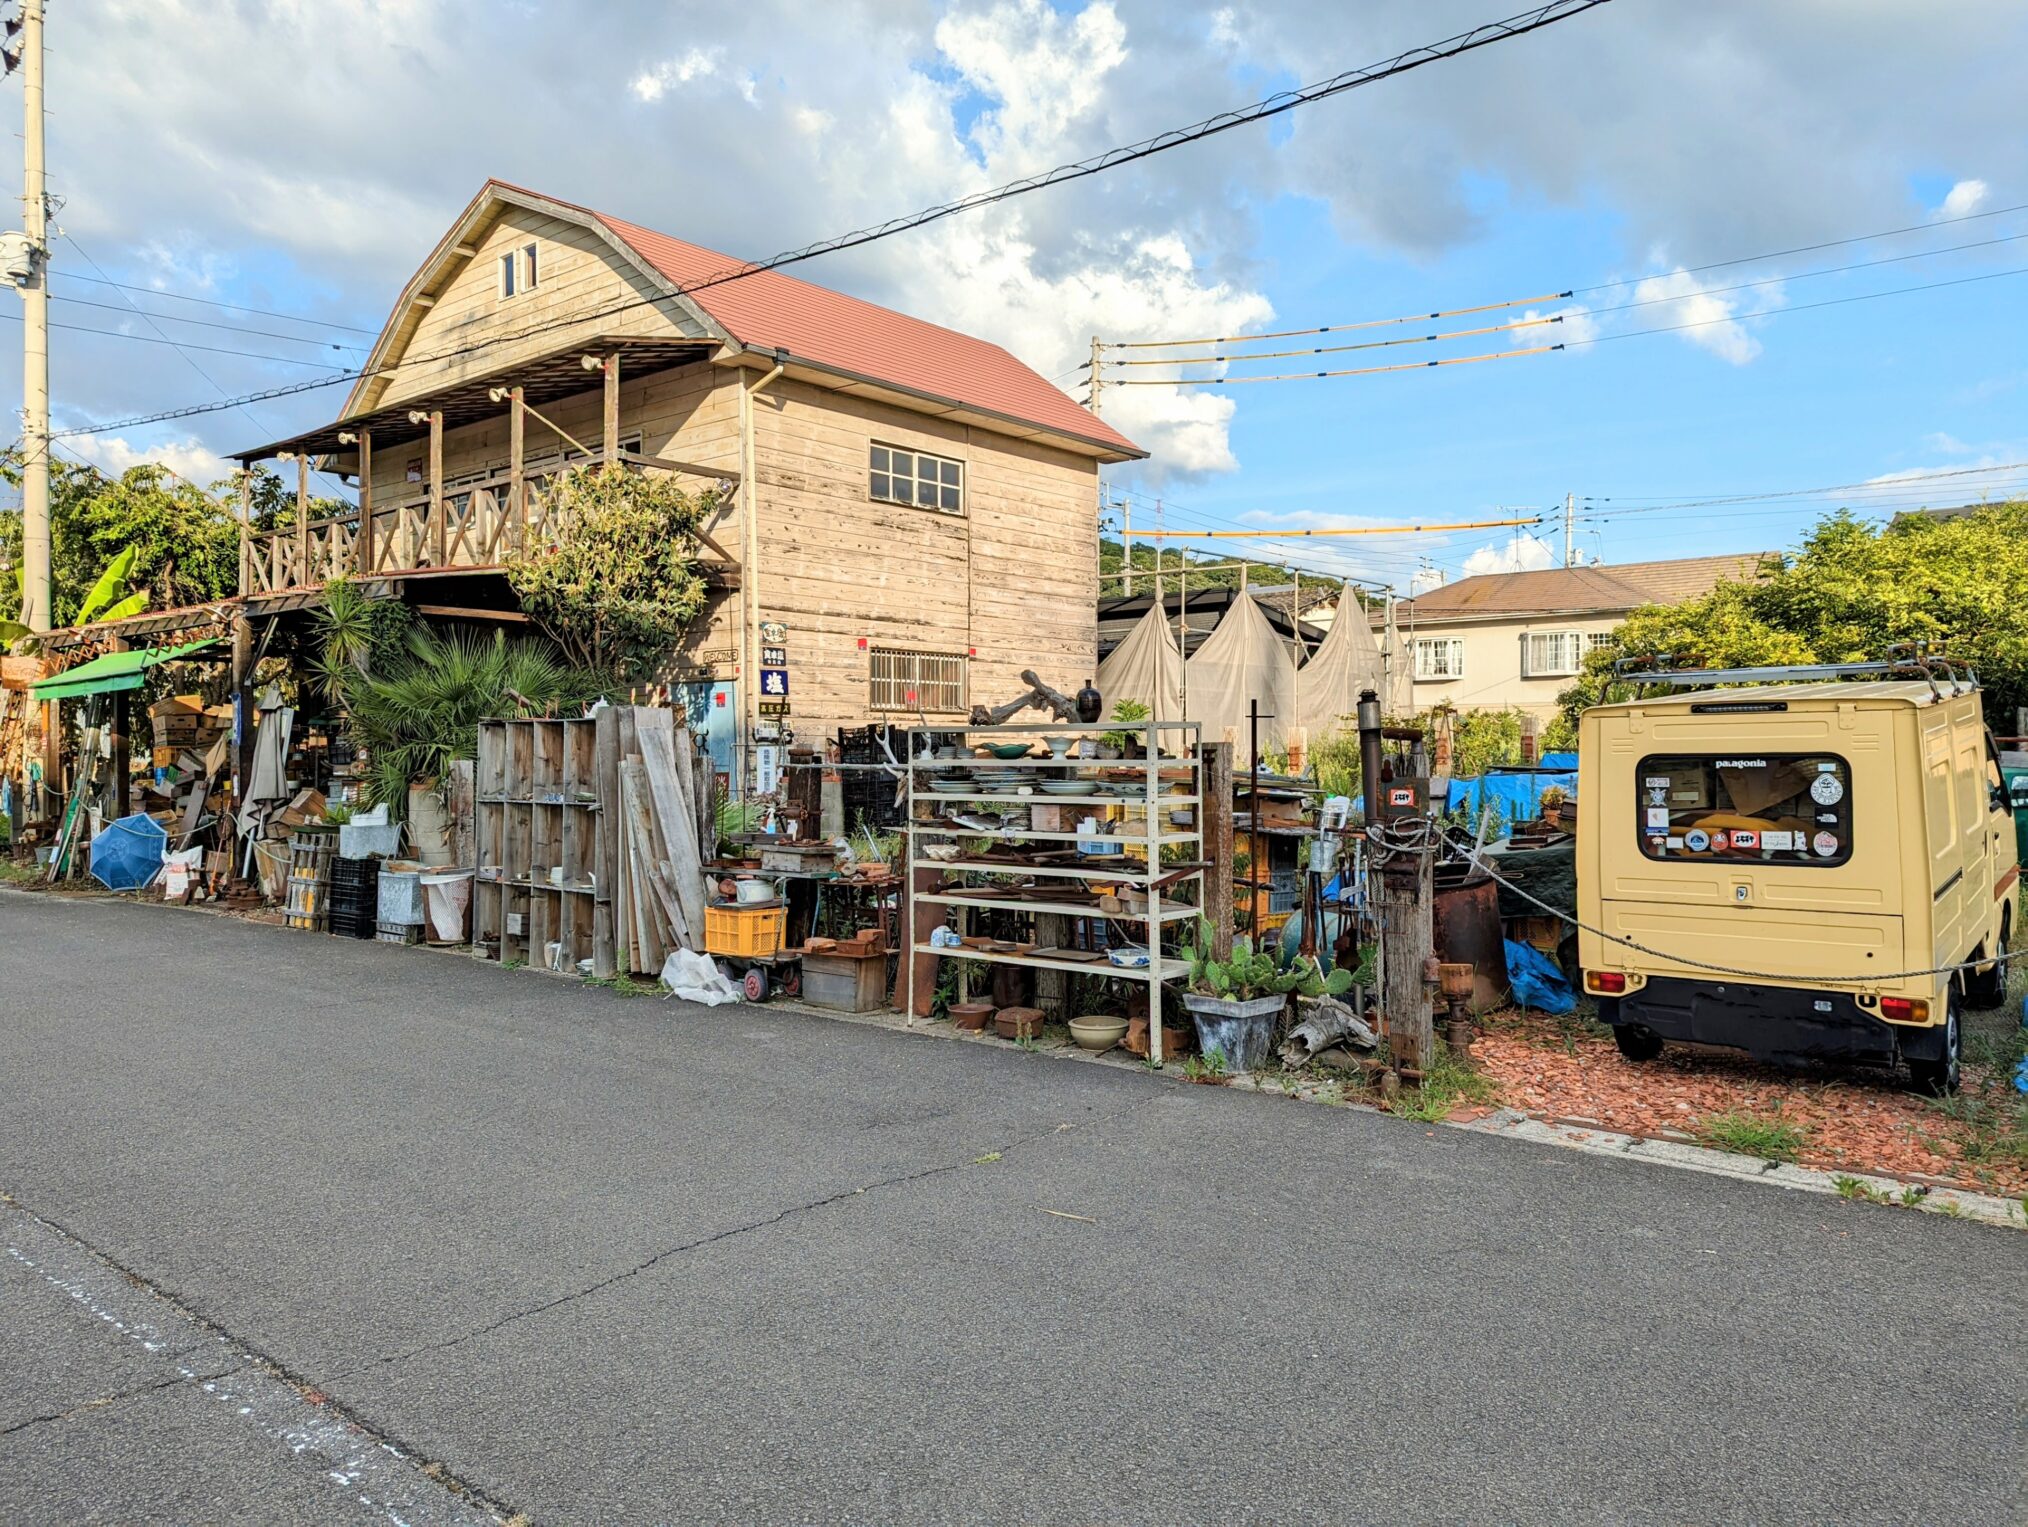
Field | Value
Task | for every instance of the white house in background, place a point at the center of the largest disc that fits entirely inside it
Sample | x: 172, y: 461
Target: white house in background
x: 1517, y: 639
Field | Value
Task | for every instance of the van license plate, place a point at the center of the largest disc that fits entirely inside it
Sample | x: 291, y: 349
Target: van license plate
x: 1821, y: 1005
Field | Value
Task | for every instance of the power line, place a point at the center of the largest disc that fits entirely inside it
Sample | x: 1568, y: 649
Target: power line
x: 157, y: 291
x: 1272, y: 106
x: 145, y: 339
x: 1371, y: 344
x: 1888, y: 483
x: 1329, y: 328
x: 1310, y: 376
x: 206, y: 323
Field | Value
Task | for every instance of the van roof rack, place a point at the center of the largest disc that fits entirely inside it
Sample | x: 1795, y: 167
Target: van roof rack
x: 1905, y: 660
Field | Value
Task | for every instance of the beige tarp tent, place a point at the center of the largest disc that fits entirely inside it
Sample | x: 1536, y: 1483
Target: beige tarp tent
x: 1327, y: 687
x: 1243, y: 660
x: 1146, y: 666
x: 1398, y: 698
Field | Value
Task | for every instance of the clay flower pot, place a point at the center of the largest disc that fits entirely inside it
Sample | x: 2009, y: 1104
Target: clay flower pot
x: 1018, y: 1022
x: 1098, y: 1031
x: 972, y: 1015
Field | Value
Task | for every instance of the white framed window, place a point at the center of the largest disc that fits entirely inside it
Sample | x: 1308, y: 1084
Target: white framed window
x: 1596, y: 640
x: 1551, y: 654
x: 932, y: 682
x: 519, y: 271
x: 1439, y: 657
x: 896, y: 476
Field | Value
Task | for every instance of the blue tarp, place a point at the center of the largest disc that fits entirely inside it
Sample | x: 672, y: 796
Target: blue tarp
x: 1564, y: 761
x: 1519, y: 796
x: 1536, y: 980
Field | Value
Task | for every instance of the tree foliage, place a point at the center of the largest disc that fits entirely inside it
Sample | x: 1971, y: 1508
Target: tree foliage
x: 1850, y: 592
x: 621, y: 585
x: 184, y: 539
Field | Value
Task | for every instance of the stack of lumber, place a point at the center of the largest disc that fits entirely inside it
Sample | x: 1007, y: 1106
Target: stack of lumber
x: 662, y: 812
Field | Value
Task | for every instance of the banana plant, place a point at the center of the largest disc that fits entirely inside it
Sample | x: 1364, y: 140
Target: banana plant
x: 108, y: 598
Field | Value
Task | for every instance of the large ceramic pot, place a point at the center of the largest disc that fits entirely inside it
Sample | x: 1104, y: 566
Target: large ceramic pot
x: 1241, y: 1029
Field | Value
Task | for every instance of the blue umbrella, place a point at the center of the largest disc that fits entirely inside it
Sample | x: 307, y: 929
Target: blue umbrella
x: 127, y: 854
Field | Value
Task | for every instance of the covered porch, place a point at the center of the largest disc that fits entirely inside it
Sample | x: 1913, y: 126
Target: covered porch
x: 454, y: 519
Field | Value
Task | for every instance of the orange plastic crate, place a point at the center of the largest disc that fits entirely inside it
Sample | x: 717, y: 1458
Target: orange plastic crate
x: 752, y: 933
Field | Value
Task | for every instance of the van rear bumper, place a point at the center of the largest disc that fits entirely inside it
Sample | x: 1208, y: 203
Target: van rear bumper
x: 1769, y: 1022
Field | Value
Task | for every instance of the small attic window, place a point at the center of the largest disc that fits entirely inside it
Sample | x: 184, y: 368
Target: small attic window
x: 518, y: 271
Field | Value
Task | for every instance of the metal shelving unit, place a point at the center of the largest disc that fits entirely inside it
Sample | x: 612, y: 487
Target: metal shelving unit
x: 1164, y: 907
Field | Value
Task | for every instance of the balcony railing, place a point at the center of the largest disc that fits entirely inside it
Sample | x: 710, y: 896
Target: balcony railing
x: 480, y: 525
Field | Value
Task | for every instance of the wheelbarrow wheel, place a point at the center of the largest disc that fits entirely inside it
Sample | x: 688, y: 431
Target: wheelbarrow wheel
x: 791, y: 981
x: 756, y: 984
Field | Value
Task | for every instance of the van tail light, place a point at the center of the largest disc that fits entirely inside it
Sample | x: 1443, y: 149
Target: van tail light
x: 1904, y: 1010
x: 1610, y: 982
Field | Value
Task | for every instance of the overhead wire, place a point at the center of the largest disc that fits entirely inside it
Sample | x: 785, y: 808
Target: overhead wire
x: 161, y: 291
x: 1310, y: 376
x: 1281, y: 102
x: 1371, y: 344
x: 207, y: 323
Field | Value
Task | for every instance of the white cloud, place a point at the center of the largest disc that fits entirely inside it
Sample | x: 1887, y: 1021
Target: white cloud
x: 1711, y: 321
x: 694, y: 63
x: 1575, y: 326
x: 1522, y: 554
x: 1964, y: 198
x: 189, y: 459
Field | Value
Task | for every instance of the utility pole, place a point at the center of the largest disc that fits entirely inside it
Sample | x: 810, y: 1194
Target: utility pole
x: 1098, y: 380
x: 1126, y: 546
x: 28, y: 268
x: 1569, y: 533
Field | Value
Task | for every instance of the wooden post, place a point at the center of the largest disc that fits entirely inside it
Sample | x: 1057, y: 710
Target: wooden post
x: 517, y: 485
x: 1406, y: 906
x: 119, y: 753
x: 303, y: 519
x: 245, y: 528
x: 612, y: 406
x: 242, y: 707
x: 362, y: 544
x: 438, y: 529
x: 606, y: 764
x: 1216, y: 815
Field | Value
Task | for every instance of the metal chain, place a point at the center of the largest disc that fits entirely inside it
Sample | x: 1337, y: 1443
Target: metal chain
x: 1478, y: 861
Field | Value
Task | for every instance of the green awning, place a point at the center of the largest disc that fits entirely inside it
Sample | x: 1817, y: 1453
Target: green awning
x: 114, y: 671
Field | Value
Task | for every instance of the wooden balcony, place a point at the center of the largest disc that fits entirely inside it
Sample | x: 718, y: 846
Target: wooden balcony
x: 479, y: 525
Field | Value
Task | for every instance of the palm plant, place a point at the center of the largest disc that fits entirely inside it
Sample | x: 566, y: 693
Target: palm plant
x: 420, y: 707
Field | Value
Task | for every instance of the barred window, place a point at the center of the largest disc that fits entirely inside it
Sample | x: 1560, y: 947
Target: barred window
x: 896, y: 476
x: 932, y: 682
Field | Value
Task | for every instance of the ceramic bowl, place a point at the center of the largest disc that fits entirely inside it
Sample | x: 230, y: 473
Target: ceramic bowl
x: 1097, y: 1032
x: 1009, y: 749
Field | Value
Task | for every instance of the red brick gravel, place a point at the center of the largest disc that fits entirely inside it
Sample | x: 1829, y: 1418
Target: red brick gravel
x: 1853, y: 1121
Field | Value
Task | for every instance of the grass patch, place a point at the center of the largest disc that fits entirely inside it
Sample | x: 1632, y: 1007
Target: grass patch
x: 1769, y: 1137
x: 1858, y: 1188
x: 621, y: 985
x: 1208, y: 1069
x: 1447, y: 1082
x: 14, y: 872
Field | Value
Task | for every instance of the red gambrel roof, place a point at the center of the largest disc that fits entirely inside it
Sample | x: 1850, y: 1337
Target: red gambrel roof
x: 770, y: 311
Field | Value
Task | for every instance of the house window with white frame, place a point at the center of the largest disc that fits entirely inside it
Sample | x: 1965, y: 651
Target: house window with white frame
x: 1552, y: 654
x: 519, y: 271
x: 896, y: 476
x: 1439, y: 657
x: 930, y: 682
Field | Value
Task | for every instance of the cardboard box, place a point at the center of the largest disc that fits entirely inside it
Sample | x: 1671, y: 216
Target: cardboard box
x: 307, y: 808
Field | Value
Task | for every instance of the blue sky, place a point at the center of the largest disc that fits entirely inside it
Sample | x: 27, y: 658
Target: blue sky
x: 1617, y: 147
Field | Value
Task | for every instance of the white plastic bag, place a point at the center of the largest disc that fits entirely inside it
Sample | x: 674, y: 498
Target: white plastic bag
x: 695, y: 978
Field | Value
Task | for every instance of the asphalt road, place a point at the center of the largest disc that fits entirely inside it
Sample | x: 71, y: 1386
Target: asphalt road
x: 625, y: 1260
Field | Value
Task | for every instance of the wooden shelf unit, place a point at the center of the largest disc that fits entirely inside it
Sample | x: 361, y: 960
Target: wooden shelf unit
x: 1154, y: 801
x: 539, y: 811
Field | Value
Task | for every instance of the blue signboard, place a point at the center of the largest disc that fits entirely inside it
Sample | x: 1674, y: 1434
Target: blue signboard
x: 774, y: 683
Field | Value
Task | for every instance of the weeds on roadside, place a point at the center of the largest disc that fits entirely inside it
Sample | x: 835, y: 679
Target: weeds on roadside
x: 620, y: 985
x: 1208, y: 1068
x: 1771, y: 1138
x: 1447, y: 1082
x: 1858, y: 1188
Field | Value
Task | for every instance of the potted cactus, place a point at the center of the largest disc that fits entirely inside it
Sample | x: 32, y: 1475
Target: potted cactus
x: 1236, y: 1002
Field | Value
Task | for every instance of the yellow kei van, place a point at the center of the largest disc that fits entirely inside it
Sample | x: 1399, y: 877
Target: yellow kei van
x: 1760, y: 867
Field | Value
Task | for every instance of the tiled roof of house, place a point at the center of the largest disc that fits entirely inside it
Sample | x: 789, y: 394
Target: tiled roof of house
x: 1583, y: 590
x: 770, y: 310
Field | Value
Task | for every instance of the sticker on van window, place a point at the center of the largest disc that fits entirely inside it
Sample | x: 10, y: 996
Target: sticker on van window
x: 1721, y: 841
x: 1658, y: 816
x: 1827, y: 790
x: 1696, y: 840
x: 1674, y: 842
x: 1654, y: 845
x: 1777, y: 842
x: 1745, y: 839
x: 1828, y: 818
x: 1657, y: 781
x: 1825, y: 843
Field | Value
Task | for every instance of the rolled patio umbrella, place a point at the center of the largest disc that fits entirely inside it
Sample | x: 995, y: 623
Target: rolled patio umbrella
x: 127, y: 854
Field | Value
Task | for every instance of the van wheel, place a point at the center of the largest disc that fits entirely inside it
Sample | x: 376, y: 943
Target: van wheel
x: 1635, y: 1042
x: 1989, y: 990
x: 1939, y: 1077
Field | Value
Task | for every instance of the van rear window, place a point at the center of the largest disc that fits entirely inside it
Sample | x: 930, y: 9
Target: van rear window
x: 1762, y: 808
